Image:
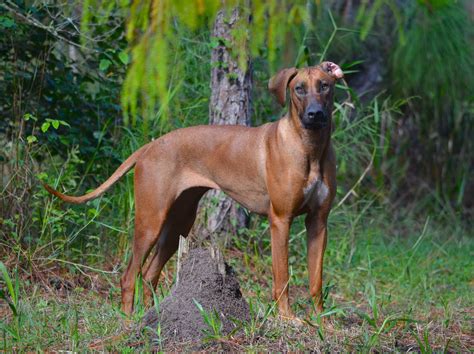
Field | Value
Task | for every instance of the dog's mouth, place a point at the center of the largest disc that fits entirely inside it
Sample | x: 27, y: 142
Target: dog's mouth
x: 315, y: 125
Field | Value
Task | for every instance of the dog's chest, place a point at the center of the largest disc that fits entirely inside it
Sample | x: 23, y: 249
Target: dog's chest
x: 315, y: 192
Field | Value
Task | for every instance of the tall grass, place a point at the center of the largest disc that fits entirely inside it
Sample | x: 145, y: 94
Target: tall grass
x: 390, y: 285
x: 435, y: 65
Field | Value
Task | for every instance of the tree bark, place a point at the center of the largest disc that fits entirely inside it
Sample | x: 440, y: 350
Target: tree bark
x: 230, y: 104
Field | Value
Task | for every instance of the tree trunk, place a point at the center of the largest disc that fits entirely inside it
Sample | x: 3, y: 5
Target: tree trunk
x: 229, y: 105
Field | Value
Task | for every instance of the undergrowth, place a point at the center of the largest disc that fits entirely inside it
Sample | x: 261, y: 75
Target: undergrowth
x: 392, y: 283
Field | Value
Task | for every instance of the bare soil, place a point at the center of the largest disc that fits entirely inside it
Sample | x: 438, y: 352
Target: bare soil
x: 199, y: 280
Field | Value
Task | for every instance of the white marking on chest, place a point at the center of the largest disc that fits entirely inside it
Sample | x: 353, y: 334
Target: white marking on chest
x: 315, y: 193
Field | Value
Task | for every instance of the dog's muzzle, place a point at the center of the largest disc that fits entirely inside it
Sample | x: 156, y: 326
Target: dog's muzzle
x: 315, y: 117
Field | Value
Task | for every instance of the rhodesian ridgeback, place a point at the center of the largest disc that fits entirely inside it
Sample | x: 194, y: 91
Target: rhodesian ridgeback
x: 281, y: 169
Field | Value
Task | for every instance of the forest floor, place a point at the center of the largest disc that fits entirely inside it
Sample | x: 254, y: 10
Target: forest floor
x: 400, y: 285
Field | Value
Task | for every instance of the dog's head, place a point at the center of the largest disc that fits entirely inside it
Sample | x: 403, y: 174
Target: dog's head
x: 311, y: 92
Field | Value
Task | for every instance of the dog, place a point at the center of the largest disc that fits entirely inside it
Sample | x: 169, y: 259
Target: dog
x: 281, y: 169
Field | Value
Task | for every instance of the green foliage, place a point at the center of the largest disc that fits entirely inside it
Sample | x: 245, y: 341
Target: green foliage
x: 435, y: 65
x: 151, y: 34
x: 65, y: 134
x: 435, y: 62
x: 366, y: 16
x: 12, y: 298
x: 423, y: 342
x: 51, y: 79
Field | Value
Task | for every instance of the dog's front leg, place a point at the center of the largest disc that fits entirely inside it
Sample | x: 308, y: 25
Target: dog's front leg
x: 316, y: 228
x: 280, y: 228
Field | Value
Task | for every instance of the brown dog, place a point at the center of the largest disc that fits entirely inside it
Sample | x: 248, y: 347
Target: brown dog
x: 281, y: 169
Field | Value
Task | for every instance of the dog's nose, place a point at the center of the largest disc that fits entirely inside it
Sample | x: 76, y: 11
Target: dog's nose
x: 315, y: 114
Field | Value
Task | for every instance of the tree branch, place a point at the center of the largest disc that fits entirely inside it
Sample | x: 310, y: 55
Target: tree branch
x: 16, y: 11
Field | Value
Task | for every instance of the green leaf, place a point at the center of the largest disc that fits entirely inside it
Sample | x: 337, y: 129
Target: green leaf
x: 31, y: 139
x: 104, y: 64
x: 199, y: 306
x: 214, y: 42
x: 11, y: 290
x: 28, y: 116
x: 220, y: 41
x: 352, y: 64
x: 6, y: 22
x: 42, y: 176
x: 123, y: 56
x: 376, y: 111
x: 45, y: 126
x: 369, y: 19
x: 55, y: 123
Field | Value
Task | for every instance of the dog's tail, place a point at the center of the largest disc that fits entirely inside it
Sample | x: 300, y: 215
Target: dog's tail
x: 119, y: 172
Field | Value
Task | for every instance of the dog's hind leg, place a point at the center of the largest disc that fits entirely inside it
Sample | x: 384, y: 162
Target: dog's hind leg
x: 153, y: 199
x: 179, y: 221
x: 145, y: 237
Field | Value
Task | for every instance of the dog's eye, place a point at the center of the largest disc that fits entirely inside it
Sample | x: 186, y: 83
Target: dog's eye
x: 300, y: 90
x: 324, y: 87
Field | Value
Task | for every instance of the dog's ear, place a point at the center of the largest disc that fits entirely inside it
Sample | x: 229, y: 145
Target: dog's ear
x: 332, y: 69
x: 279, y: 82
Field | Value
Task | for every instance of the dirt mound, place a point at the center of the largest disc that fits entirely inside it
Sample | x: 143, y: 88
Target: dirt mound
x: 210, y: 282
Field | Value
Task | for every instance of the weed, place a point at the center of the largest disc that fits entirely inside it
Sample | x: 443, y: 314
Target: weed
x: 423, y: 342
x: 12, y: 298
x: 213, y: 322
